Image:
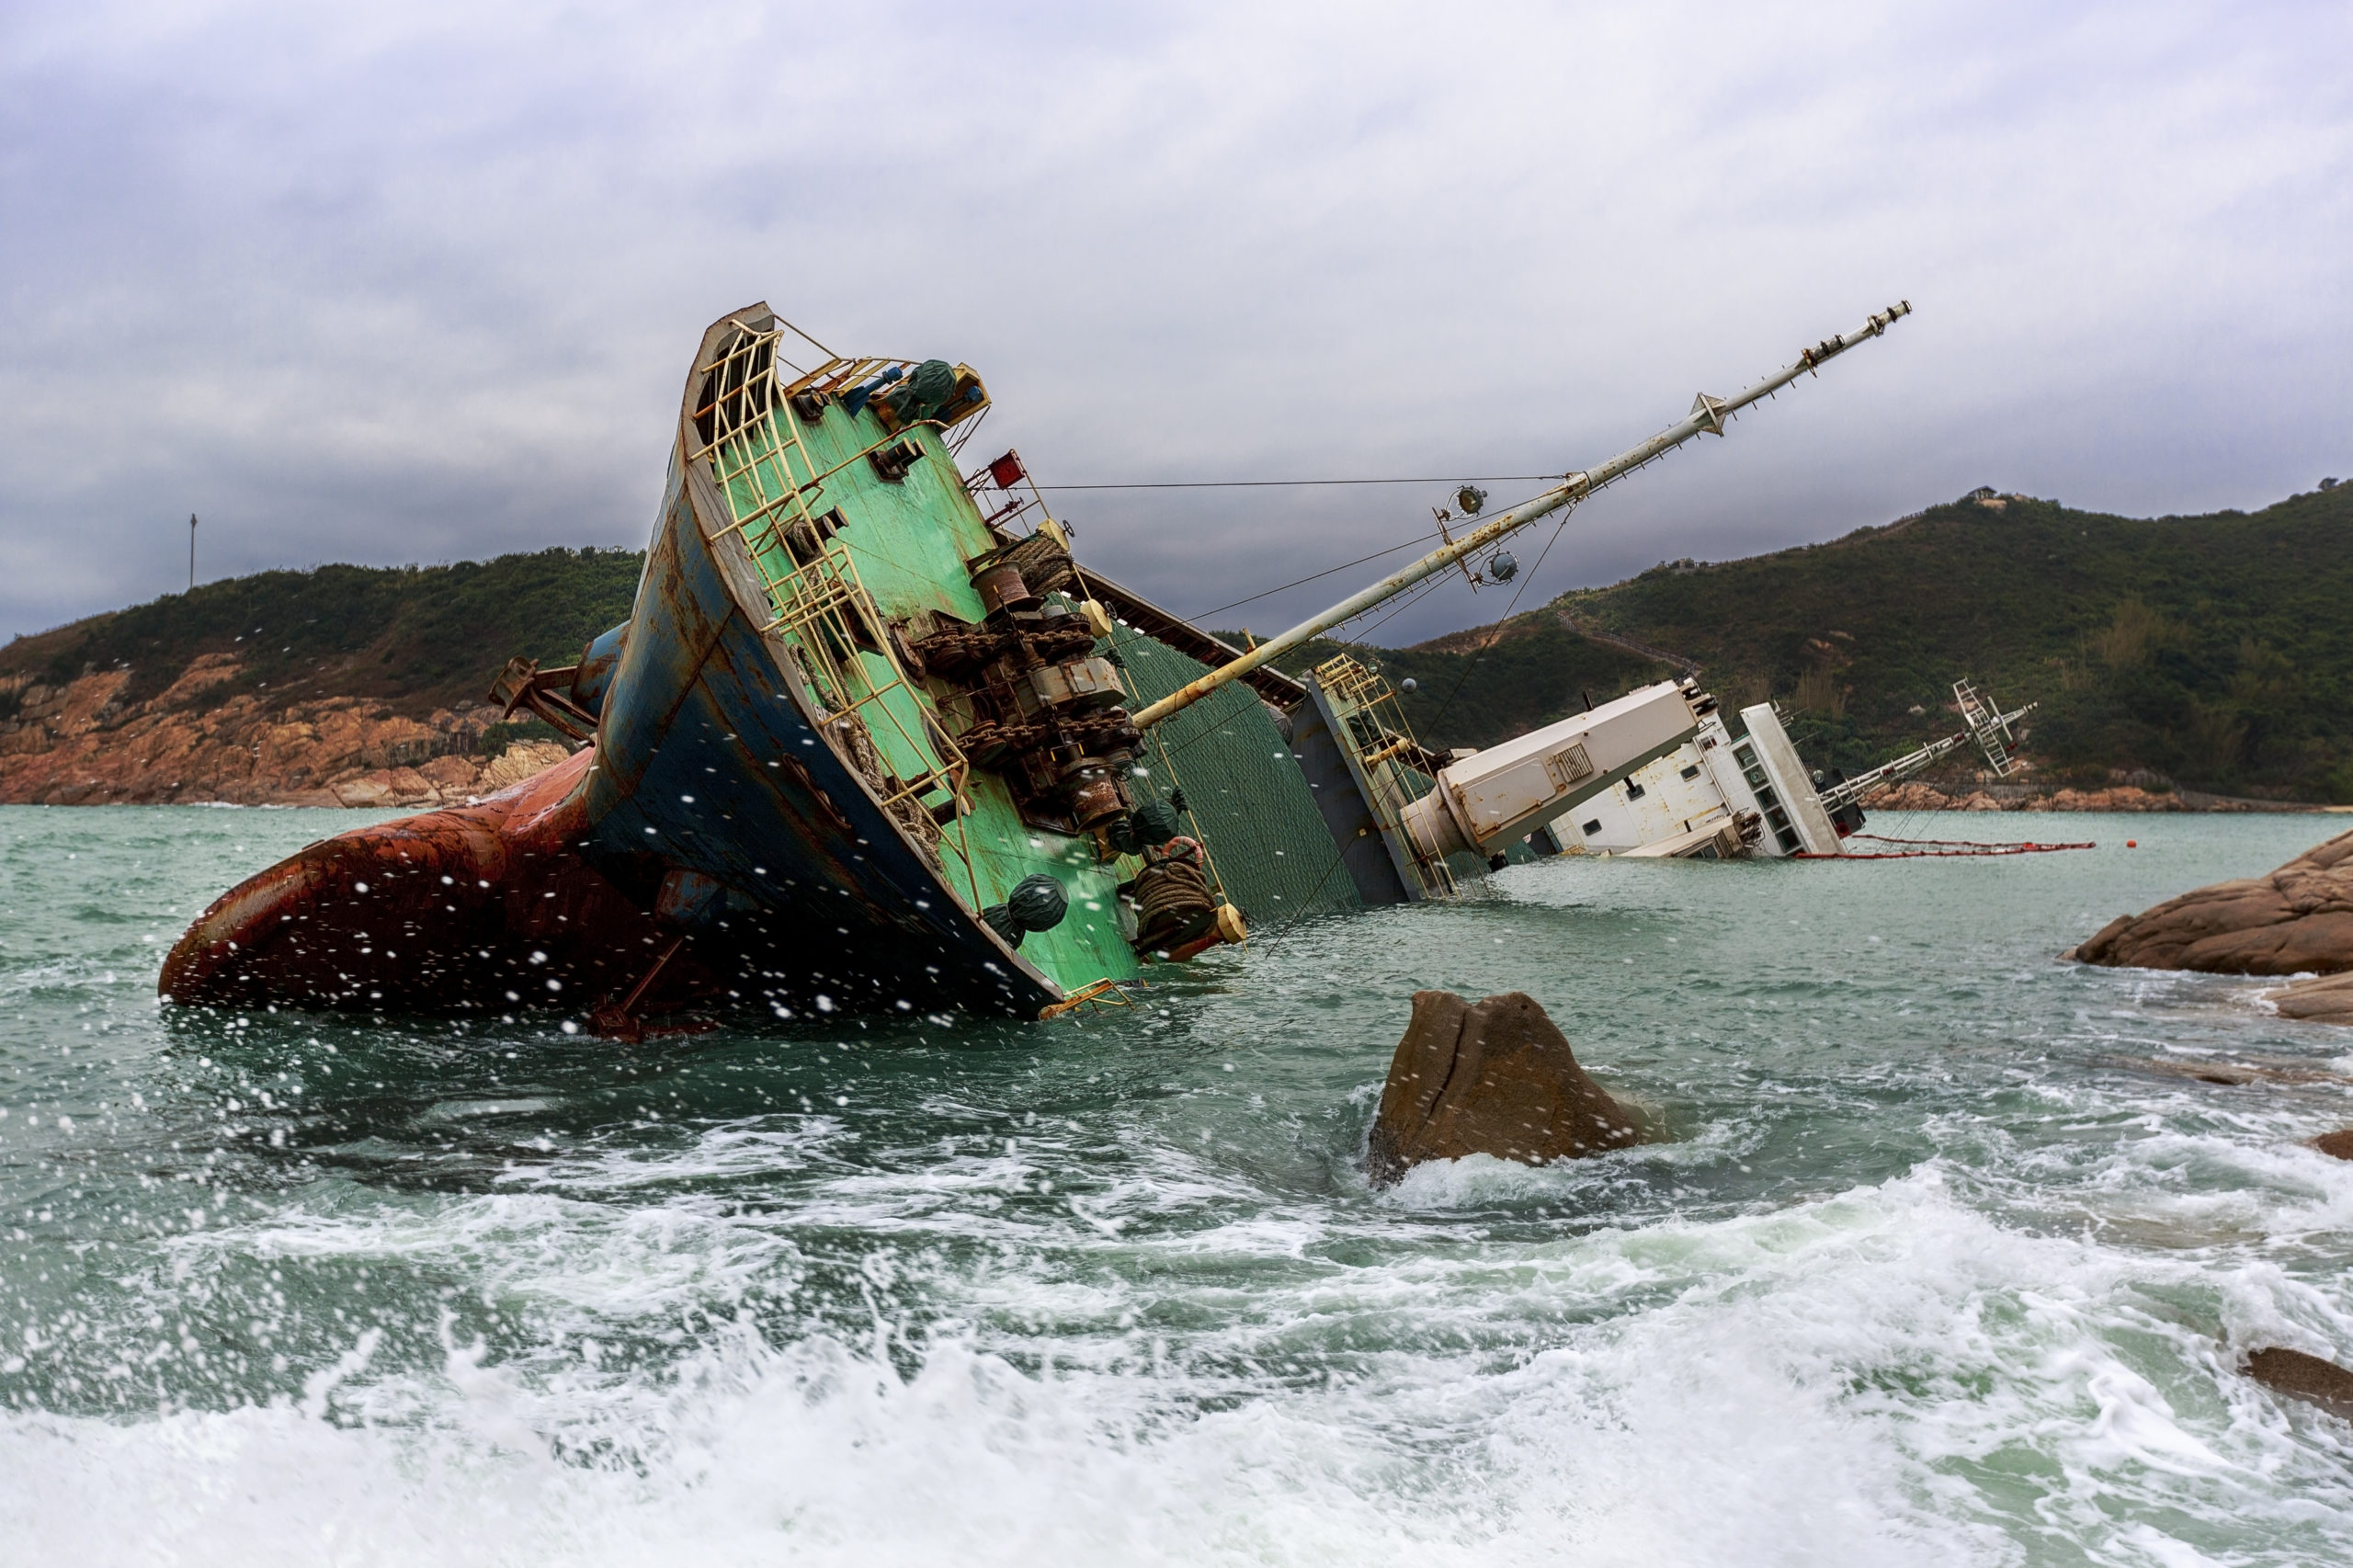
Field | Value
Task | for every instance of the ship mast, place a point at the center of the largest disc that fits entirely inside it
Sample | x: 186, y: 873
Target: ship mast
x: 1988, y: 726
x: 1709, y: 414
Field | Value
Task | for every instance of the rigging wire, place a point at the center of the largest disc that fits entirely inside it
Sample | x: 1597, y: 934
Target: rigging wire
x: 1403, y: 602
x: 1417, y: 538
x: 1473, y: 661
x: 1411, y: 596
x: 1414, y: 594
x: 1396, y: 607
x: 1292, y: 483
x: 1339, y: 851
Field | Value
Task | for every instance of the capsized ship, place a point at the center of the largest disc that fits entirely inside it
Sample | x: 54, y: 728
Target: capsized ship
x: 872, y: 739
x: 1722, y: 796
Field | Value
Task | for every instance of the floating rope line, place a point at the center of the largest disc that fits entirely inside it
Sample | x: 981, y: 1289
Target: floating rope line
x: 1942, y: 848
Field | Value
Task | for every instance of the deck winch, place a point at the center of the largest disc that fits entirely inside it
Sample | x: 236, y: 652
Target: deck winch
x: 1035, y: 701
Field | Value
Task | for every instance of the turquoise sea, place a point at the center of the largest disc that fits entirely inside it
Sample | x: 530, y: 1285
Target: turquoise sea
x: 1948, y: 1255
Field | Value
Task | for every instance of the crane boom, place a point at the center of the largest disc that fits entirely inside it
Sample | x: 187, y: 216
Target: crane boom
x: 1707, y: 416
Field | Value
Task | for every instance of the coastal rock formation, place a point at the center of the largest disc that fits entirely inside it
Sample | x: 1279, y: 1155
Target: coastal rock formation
x: 2303, y: 1377
x: 81, y: 744
x: 2326, y: 999
x: 1919, y: 795
x: 2298, y: 920
x: 2338, y: 1145
x: 1495, y: 1078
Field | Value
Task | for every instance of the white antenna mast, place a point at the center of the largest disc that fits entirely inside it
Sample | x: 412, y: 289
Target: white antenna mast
x: 1989, y: 727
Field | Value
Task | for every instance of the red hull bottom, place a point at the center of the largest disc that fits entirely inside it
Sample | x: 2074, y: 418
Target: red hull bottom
x: 484, y: 908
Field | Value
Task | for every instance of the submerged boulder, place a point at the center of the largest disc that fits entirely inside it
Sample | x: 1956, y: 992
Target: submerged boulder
x: 1495, y: 1078
x: 2303, y: 1377
x: 2298, y: 920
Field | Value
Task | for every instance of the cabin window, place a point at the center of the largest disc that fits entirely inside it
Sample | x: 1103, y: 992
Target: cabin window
x: 1593, y: 828
x: 1633, y: 790
x: 1691, y: 772
x: 1788, y: 841
x: 1744, y: 755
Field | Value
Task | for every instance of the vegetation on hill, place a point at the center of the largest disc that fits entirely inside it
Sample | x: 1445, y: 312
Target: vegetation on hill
x: 2215, y: 651
x: 415, y: 638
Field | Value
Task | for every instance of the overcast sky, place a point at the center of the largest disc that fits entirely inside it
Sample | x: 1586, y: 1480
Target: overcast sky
x: 419, y: 282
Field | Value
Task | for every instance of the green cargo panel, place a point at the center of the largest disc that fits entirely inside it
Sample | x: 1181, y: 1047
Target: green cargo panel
x: 1248, y: 800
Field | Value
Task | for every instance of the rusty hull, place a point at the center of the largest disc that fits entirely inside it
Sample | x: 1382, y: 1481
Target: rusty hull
x: 712, y: 808
x: 481, y: 908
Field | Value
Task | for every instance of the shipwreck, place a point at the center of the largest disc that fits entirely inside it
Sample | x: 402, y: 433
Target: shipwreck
x: 873, y: 740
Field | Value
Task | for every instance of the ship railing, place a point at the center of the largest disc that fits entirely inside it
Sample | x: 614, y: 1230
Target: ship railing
x: 1029, y: 510
x: 1374, y: 720
x: 837, y: 634
x: 745, y: 388
x: 838, y: 376
x: 755, y: 443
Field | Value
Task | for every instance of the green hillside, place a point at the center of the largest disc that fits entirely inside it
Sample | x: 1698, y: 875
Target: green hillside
x: 415, y: 638
x: 2216, y: 650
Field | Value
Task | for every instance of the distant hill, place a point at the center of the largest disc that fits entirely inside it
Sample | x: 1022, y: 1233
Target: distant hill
x: 1473, y: 688
x: 414, y: 638
x: 2215, y: 651
x: 342, y: 686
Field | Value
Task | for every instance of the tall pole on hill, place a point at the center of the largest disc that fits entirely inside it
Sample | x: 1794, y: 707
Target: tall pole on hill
x: 1707, y: 416
x: 191, y: 552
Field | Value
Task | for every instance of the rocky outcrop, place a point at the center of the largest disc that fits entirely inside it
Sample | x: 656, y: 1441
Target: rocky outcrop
x: 1918, y: 796
x: 1493, y: 1078
x: 2308, y: 1378
x: 81, y: 744
x: 2298, y: 920
x: 2326, y: 999
x: 2338, y: 1145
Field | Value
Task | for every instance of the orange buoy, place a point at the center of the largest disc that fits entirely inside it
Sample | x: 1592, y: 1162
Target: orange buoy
x: 2132, y: 844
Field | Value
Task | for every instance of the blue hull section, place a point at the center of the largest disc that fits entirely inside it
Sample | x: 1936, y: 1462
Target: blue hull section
x: 715, y: 802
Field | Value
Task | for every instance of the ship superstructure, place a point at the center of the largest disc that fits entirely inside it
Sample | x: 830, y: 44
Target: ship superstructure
x: 1723, y: 796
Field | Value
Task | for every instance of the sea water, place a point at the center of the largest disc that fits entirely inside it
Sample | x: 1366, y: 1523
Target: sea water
x: 1946, y: 1251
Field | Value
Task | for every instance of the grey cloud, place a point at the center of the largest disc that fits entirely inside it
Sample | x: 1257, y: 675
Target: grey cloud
x: 419, y: 283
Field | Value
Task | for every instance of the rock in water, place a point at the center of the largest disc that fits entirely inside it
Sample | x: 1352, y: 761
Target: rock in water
x: 2298, y: 920
x: 2328, y: 999
x: 1495, y: 1078
x: 2303, y: 1377
x: 2338, y: 1145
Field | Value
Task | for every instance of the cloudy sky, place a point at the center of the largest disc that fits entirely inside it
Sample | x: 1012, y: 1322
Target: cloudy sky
x: 419, y: 282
